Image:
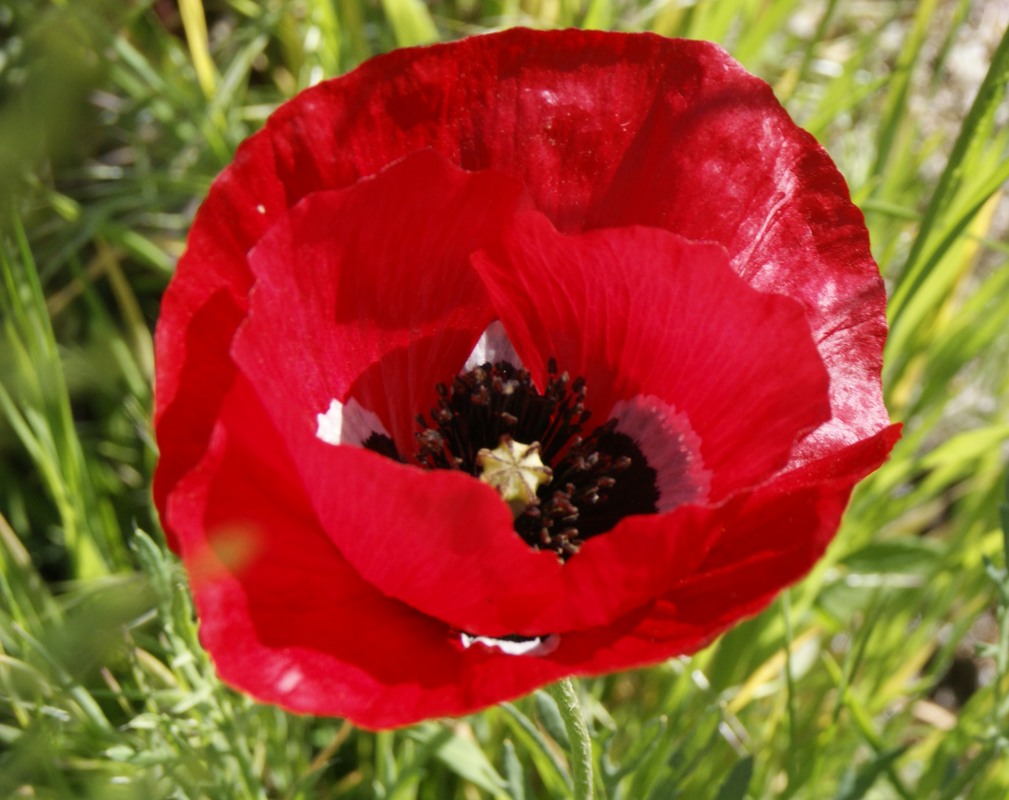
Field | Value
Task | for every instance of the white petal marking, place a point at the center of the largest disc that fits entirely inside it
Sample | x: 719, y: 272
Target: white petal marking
x: 669, y: 445
x: 536, y: 646
x: 329, y: 426
x: 349, y: 423
x: 492, y: 347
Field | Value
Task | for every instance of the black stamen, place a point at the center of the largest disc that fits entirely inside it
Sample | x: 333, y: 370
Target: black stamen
x: 382, y: 445
x: 597, y: 479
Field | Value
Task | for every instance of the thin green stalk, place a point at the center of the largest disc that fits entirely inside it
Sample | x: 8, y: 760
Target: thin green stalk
x: 786, y: 611
x: 565, y: 695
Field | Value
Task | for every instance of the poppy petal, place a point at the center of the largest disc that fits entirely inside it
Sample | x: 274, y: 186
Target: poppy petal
x: 639, y: 311
x: 557, y: 110
x: 203, y: 306
x: 773, y: 536
x: 342, y: 308
x: 288, y: 620
x: 443, y: 543
x: 731, y: 167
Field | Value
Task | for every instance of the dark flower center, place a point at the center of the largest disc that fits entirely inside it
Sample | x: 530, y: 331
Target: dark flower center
x: 594, y: 479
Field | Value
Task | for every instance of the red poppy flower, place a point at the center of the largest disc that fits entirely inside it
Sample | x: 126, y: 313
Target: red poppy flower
x: 533, y: 355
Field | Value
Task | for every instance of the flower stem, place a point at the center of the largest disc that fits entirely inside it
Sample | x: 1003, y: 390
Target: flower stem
x: 565, y: 695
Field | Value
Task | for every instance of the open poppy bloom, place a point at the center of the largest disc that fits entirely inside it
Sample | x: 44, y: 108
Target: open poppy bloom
x: 533, y: 355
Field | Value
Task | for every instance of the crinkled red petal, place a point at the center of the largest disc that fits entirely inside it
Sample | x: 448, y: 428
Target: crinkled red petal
x: 776, y: 535
x: 443, y: 543
x: 728, y: 165
x: 369, y: 289
x: 286, y: 619
x: 643, y: 312
x: 202, y: 308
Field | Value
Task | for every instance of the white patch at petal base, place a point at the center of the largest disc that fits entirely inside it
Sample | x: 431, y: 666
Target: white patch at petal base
x: 492, y: 347
x: 670, y: 447
x: 535, y: 646
x: 347, y: 423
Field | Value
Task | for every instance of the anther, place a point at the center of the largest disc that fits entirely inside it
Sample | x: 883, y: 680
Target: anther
x: 562, y: 488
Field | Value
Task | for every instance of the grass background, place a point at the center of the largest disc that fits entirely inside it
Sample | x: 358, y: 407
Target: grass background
x: 882, y: 675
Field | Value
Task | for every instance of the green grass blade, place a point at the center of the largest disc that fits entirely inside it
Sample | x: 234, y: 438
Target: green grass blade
x: 973, y: 136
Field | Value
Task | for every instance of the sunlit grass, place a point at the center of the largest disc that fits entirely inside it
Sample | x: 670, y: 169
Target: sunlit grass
x: 882, y: 675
